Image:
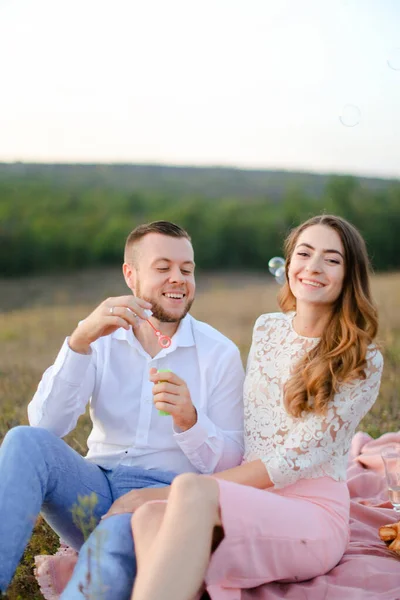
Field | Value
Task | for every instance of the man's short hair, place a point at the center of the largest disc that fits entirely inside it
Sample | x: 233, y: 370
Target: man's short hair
x: 163, y: 227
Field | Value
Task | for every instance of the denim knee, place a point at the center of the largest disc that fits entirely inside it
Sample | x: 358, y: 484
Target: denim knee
x: 115, y: 533
x: 25, y: 433
x: 26, y: 439
x: 110, y: 552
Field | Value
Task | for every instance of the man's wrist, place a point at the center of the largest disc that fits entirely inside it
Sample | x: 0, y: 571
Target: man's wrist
x: 187, y: 423
x: 78, y: 345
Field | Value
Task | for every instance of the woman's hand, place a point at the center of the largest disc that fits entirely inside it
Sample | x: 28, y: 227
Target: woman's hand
x: 131, y: 501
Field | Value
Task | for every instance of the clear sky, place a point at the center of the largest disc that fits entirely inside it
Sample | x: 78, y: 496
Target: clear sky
x: 248, y: 83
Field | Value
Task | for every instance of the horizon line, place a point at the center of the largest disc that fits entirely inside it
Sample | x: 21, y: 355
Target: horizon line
x: 232, y: 167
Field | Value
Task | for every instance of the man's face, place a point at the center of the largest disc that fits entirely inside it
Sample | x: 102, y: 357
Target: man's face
x: 163, y: 274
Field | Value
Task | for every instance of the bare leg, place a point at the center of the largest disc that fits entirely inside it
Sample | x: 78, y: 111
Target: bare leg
x: 146, y: 528
x: 174, y: 564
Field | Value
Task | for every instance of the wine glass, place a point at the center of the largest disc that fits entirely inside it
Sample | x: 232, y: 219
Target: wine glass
x: 391, y: 460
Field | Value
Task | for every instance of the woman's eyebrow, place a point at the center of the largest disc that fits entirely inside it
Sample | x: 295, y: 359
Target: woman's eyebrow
x: 325, y: 250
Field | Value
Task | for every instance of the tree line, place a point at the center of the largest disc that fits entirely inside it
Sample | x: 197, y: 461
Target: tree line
x: 45, y: 226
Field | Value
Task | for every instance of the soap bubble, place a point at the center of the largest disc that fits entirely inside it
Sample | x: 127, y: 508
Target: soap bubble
x: 280, y: 275
x: 275, y: 263
x: 394, y: 59
x: 351, y: 115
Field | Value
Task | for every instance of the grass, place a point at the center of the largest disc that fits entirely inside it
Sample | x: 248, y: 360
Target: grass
x: 38, y: 313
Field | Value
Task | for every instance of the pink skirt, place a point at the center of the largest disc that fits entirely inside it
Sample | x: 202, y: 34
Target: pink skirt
x: 287, y: 535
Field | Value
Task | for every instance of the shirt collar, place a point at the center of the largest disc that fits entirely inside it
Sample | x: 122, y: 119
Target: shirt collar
x: 183, y: 337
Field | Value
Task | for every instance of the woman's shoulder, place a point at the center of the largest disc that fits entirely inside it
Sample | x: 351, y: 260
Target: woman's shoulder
x: 274, y: 319
x: 374, y: 358
x: 372, y: 374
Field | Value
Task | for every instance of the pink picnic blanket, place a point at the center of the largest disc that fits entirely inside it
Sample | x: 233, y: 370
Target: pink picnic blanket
x: 367, y: 571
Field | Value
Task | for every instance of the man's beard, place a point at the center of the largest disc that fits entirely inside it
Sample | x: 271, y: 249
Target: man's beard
x: 158, y: 311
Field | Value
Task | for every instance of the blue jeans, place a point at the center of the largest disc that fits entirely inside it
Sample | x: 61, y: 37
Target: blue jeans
x: 40, y: 472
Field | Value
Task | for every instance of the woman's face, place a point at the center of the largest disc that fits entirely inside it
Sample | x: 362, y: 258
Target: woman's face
x: 317, y: 268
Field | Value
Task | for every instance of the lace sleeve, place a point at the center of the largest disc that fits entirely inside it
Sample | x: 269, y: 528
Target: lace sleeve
x: 318, y: 445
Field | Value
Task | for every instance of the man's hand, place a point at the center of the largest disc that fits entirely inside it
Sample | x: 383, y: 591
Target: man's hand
x: 131, y: 501
x: 107, y: 318
x: 171, y: 394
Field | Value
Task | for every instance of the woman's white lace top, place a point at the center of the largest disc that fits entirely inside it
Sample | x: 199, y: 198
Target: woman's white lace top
x: 310, y: 446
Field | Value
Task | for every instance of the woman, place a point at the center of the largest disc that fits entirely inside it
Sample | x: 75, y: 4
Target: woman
x: 313, y: 373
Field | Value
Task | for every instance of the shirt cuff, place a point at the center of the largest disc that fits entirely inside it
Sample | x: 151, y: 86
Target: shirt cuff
x: 71, y: 366
x: 192, y: 439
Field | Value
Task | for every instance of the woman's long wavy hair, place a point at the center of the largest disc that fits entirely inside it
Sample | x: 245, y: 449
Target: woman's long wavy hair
x: 340, y: 355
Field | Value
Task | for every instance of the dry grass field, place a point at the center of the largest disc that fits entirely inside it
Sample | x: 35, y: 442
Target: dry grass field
x: 37, y: 313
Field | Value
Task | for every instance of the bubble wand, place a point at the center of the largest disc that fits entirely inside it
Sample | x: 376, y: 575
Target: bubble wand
x: 164, y: 340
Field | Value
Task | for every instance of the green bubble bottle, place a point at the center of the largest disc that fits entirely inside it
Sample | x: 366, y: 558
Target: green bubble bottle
x: 162, y: 413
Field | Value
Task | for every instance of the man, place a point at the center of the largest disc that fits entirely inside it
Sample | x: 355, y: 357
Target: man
x: 111, y: 360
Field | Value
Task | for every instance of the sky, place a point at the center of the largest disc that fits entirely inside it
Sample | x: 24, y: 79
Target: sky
x: 311, y: 85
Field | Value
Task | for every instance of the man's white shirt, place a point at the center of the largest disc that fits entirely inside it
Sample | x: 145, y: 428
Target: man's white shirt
x: 127, y: 429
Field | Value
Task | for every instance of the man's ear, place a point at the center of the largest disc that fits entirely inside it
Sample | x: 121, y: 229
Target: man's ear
x: 130, y: 275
